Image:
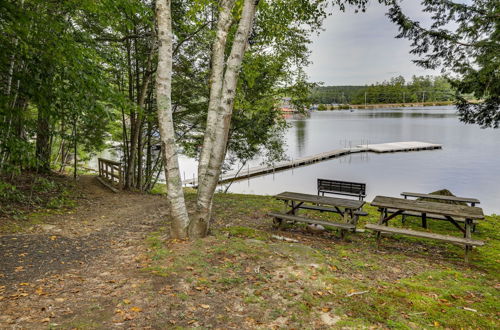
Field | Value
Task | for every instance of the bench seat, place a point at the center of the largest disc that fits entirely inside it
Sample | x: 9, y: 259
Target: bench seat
x: 415, y: 233
x: 429, y: 215
x: 319, y: 208
x: 296, y: 218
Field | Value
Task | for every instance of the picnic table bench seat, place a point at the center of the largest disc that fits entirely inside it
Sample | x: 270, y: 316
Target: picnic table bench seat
x: 296, y: 218
x: 429, y: 215
x: 330, y: 209
x: 421, y: 234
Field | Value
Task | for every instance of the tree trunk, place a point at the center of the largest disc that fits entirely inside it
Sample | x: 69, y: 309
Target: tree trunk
x: 75, y: 150
x: 42, y: 140
x: 208, y: 183
x: 175, y: 194
x: 216, y: 80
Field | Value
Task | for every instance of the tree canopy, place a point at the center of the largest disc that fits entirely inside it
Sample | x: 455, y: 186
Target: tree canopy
x: 464, y: 40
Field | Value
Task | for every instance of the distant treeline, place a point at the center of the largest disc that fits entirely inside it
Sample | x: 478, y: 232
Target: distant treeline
x: 396, y: 90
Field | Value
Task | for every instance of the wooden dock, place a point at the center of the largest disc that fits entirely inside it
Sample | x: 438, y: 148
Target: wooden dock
x: 281, y: 166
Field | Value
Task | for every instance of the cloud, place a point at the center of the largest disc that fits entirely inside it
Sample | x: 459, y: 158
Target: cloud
x: 361, y: 48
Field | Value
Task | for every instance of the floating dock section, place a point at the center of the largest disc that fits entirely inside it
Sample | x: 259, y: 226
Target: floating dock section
x: 377, y: 148
x: 400, y: 146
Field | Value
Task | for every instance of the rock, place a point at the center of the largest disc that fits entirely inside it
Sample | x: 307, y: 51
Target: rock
x: 314, y: 228
x: 47, y: 227
x: 329, y: 320
x: 255, y: 241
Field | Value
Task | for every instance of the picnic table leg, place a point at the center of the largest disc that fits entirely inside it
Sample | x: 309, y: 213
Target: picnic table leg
x: 424, y: 220
x: 403, y: 218
x: 348, y: 218
x: 383, y: 213
x: 468, y: 248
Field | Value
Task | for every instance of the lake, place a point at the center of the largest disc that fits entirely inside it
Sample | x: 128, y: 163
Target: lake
x: 468, y: 165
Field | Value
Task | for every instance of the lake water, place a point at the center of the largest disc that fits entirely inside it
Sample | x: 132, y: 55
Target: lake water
x: 468, y: 165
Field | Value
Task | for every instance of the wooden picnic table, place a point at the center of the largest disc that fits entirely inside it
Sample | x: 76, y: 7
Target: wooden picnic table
x: 471, y: 201
x: 349, y: 209
x: 399, y: 206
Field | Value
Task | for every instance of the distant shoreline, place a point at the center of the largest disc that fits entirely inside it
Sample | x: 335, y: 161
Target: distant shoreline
x: 384, y: 105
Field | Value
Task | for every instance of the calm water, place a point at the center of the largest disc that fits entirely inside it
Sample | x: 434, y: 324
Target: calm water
x: 468, y: 165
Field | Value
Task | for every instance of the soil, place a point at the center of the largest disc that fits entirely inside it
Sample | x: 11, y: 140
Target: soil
x: 59, y: 267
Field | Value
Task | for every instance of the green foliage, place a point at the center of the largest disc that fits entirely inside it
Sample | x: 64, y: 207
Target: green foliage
x: 469, y: 52
x: 334, y: 94
x: 56, y: 81
x: 396, y: 90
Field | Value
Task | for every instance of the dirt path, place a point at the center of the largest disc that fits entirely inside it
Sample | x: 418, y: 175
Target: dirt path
x: 76, y: 262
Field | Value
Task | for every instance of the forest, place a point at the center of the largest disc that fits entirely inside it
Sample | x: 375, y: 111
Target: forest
x: 395, y: 90
x: 79, y: 77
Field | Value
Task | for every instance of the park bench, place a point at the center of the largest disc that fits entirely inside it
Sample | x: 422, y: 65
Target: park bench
x: 349, y: 209
x: 450, y: 212
x: 345, y: 188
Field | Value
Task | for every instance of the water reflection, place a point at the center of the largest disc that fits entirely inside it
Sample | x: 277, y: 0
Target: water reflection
x: 300, y: 133
x: 400, y: 114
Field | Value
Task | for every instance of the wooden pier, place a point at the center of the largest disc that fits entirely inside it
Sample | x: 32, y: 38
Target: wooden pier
x: 378, y: 148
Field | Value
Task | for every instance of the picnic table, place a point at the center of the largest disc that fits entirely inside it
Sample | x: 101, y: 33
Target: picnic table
x: 349, y: 209
x: 469, y: 200
x: 399, y: 206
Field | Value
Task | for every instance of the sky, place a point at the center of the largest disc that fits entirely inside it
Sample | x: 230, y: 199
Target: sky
x: 359, y: 49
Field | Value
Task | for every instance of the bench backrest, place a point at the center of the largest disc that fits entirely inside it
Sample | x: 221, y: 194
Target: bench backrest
x: 342, y: 188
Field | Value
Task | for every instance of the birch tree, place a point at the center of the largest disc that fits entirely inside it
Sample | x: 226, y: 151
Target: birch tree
x: 175, y: 196
x: 223, y: 83
x: 279, y: 20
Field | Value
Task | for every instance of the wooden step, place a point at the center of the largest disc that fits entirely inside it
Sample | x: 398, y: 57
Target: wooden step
x: 296, y: 218
x: 415, y: 233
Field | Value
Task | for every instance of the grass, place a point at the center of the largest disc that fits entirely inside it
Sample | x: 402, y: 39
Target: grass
x: 27, y: 198
x: 409, y: 283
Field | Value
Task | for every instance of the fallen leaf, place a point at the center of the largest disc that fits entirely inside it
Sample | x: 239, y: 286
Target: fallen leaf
x: 53, y: 238
x: 126, y: 301
x: 136, y: 309
x: 40, y: 291
x: 204, y: 306
x: 24, y: 284
x: 45, y: 320
x: 436, y: 324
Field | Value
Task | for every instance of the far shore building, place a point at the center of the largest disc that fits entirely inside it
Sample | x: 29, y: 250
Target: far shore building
x: 286, y: 105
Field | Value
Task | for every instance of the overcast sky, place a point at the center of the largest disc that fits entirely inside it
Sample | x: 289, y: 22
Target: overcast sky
x: 359, y: 49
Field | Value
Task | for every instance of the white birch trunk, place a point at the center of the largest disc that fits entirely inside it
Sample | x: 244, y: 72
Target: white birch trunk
x: 175, y: 194
x: 216, y: 79
x: 206, y: 187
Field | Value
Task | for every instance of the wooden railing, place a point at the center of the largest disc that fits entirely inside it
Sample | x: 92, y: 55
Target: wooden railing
x: 111, y: 172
